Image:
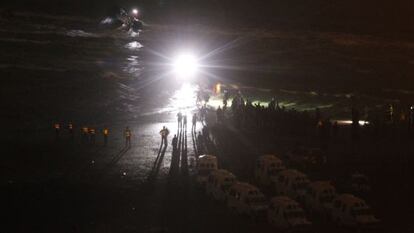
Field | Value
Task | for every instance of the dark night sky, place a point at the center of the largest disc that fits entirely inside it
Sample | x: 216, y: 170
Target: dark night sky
x: 348, y: 15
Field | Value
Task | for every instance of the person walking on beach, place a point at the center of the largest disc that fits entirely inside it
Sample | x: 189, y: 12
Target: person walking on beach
x: 84, y: 132
x: 180, y: 120
x: 185, y: 122
x: 92, y: 136
x: 105, y: 134
x: 70, y: 128
x: 193, y: 128
x: 57, y: 130
x: 175, y: 142
x: 164, y: 135
x: 128, y: 135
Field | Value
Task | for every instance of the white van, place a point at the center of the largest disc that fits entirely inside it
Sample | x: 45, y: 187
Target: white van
x: 266, y: 167
x: 319, y: 197
x: 348, y: 210
x: 205, y: 164
x: 286, y: 213
x: 292, y: 183
x: 219, y: 181
x: 245, y: 198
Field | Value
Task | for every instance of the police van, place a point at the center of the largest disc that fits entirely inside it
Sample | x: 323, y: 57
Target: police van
x: 219, y: 181
x: 319, y: 197
x: 205, y: 164
x: 292, y: 183
x: 245, y: 198
x: 266, y: 167
x: 286, y: 213
x: 351, y: 211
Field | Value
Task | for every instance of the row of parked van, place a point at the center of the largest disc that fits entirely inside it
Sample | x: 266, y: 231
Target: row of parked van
x: 244, y: 198
x: 319, y: 197
x: 290, y: 185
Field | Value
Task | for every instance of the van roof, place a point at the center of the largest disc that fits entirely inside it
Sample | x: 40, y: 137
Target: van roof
x: 207, y: 157
x: 222, y: 173
x: 242, y: 186
x: 321, y: 185
x: 292, y: 173
x: 283, y: 201
x: 270, y: 158
x: 349, y: 199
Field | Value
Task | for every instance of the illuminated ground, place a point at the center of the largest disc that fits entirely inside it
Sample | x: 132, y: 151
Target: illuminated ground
x: 65, y: 70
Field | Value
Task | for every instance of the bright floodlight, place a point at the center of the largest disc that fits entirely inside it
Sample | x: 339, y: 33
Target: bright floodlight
x: 135, y: 11
x: 185, y: 66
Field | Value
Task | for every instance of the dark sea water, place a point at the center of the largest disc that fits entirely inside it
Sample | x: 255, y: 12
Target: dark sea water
x: 56, y: 68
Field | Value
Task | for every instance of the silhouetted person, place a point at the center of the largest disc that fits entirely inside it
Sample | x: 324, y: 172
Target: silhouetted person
x: 84, y: 132
x: 411, y: 118
x: 70, y: 128
x: 128, y: 136
x: 219, y: 115
x: 194, y: 120
x: 180, y: 119
x: 57, y: 130
x: 355, y: 123
x: 175, y: 142
x: 105, y: 135
x: 164, y: 135
x: 185, y: 121
x: 335, y: 129
x: 200, y: 144
x: 92, y: 134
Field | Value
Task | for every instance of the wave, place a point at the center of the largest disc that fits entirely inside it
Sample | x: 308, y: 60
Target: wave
x: 81, y: 33
x: 400, y: 91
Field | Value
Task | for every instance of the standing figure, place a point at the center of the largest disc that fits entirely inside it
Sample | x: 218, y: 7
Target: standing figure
x: 105, y: 134
x: 185, y: 122
x: 180, y: 119
x: 194, y: 122
x: 128, y: 135
x: 164, y: 135
x: 70, y: 128
x: 84, y: 134
x: 175, y: 142
x: 92, y: 136
x: 57, y: 130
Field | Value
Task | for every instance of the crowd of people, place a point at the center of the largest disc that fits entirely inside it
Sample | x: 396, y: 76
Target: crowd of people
x: 275, y: 119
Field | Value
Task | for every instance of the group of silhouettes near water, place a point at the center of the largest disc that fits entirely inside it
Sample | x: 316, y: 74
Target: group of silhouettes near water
x: 276, y: 119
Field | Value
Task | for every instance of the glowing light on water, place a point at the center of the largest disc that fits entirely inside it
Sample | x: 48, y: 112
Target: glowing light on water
x: 349, y: 122
x: 134, y: 45
x: 184, y: 99
x: 107, y: 21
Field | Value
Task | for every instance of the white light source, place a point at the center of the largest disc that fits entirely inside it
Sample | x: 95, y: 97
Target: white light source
x: 135, y: 11
x: 185, y: 65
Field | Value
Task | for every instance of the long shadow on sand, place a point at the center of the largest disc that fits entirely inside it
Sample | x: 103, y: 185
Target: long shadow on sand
x: 184, y: 161
x: 117, y: 157
x: 158, y: 161
x: 175, y: 158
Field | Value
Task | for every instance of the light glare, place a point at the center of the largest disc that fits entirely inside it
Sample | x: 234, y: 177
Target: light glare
x: 185, y: 66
